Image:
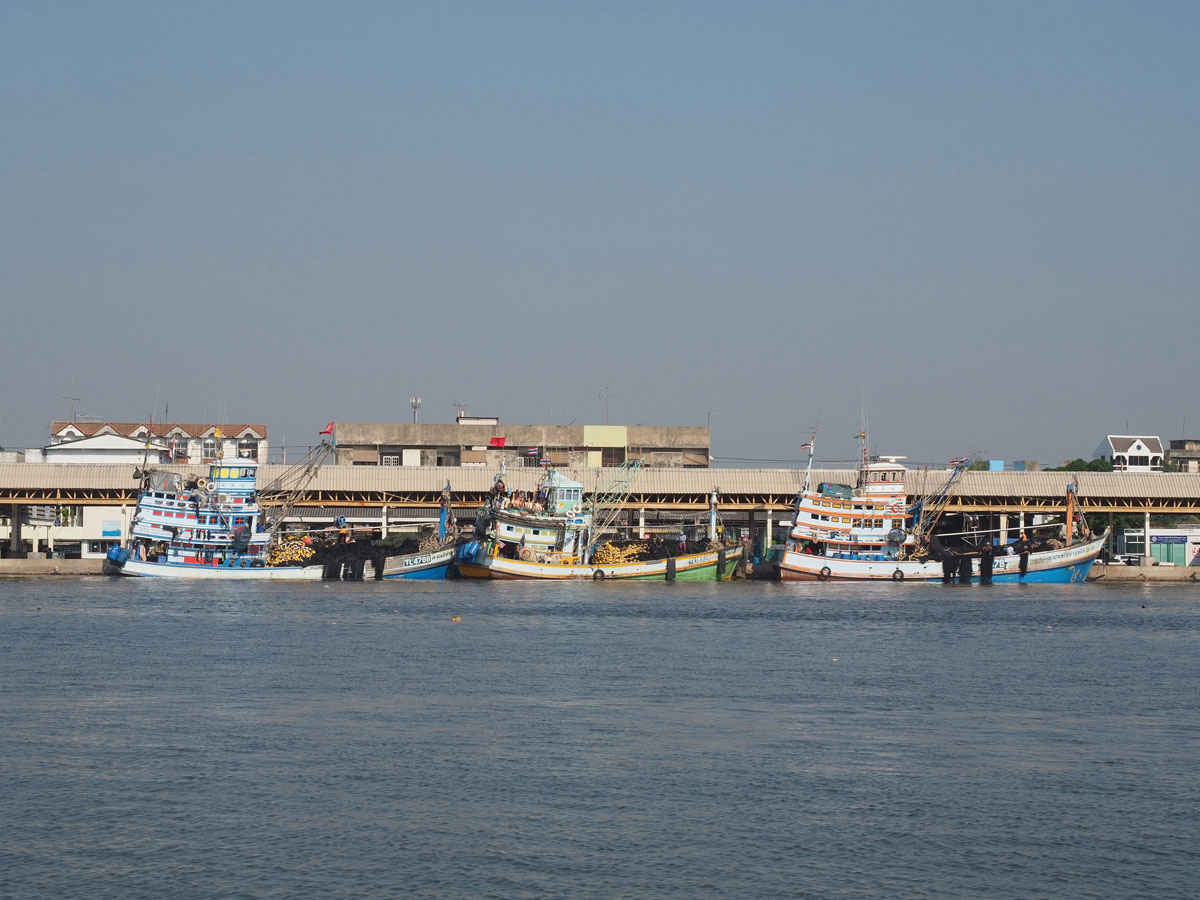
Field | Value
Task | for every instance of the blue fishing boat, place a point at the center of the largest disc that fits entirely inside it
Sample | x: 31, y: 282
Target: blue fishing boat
x: 429, y: 562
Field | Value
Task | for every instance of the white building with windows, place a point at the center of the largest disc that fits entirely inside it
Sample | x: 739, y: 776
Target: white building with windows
x: 1131, y: 452
x: 193, y: 444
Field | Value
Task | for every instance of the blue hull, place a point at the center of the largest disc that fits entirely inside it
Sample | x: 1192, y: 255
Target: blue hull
x: 430, y: 566
x: 1065, y: 575
x: 433, y: 573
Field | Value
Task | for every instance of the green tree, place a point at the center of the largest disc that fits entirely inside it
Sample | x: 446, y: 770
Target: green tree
x: 1081, y: 465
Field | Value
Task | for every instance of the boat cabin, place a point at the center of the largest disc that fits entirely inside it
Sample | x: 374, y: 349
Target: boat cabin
x: 234, y: 477
x: 563, y: 496
x: 883, y: 478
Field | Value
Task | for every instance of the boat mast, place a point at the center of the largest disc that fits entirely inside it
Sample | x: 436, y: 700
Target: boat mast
x: 808, y: 469
x: 288, y: 489
x: 609, y: 499
x: 932, y: 509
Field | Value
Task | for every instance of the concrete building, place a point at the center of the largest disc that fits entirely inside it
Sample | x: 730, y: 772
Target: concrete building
x: 486, y: 442
x: 193, y: 444
x: 1168, y: 545
x: 1131, y: 453
x: 1185, y: 454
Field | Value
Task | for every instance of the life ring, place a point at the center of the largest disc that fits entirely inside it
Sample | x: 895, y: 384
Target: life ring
x: 202, y: 483
x: 243, y: 564
x: 824, y: 574
x: 526, y: 554
x: 896, y: 508
x: 598, y: 575
x: 898, y: 575
x: 211, y: 487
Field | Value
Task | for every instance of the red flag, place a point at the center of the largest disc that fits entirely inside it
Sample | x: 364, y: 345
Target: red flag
x: 497, y: 442
x: 328, y: 429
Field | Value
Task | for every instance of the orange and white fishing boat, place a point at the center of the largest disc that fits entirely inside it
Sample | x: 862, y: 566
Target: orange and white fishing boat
x: 871, y: 531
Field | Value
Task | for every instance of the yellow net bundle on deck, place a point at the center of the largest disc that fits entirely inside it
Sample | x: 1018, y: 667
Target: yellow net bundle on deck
x: 608, y: 554
x: 290, y: 553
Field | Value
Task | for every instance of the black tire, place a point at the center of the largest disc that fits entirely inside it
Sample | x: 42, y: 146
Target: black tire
x: 898, y: 575
x: 598, y: 575
x: 824, y: 574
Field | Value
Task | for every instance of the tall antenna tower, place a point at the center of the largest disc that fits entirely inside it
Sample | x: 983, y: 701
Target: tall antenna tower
x: 604, y: 395
x: 73, y: 400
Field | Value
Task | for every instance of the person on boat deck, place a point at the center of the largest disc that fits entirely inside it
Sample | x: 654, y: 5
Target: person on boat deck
x: 682, y: 541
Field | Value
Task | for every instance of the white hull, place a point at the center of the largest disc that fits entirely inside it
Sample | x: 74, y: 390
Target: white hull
x: 1063, y: 565
x: 140, y: 568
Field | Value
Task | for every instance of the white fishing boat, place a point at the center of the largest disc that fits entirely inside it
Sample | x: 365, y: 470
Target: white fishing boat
x: 212, y: 527
x: 872, y: 532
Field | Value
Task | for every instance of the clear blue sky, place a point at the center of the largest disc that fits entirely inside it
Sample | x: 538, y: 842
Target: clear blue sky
x: 980, y: 220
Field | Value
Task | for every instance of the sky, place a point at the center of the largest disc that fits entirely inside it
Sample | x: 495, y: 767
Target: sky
x: 974, y: 226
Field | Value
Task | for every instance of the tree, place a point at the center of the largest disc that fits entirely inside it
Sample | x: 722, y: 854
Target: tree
x: 1080, y: 465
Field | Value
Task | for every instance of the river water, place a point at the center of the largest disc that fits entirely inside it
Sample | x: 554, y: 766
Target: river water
x: 613, y: 740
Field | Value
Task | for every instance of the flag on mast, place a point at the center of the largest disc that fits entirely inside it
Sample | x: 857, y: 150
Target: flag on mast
x: 328, y: 429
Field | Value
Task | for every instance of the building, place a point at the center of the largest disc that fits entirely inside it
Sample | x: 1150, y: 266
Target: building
x: 486, y: 442
x: 102, y: 448
x: 1185, y: 454
x: 1131, y: 453
x: 1168, y: 546
x: 192, y: 444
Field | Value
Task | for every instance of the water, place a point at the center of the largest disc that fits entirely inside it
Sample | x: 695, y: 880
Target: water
x: 690, y: 741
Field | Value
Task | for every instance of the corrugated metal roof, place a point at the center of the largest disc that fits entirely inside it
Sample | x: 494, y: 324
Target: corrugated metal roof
x: 471, y: 479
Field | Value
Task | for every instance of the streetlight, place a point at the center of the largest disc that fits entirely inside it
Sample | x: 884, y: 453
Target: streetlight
x: 415, y: 402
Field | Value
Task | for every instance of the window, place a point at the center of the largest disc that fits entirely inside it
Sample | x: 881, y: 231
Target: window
x: 209, y: 449
x: 612, y: 456
x: 1174, y: 553
x: 248, y: 448
x: 389, y: 459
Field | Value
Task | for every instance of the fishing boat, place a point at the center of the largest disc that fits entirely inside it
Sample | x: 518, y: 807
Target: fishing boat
x: 871, y: 531
x: 555, y: 537
x: 212, y: 527
x: 433, y: 557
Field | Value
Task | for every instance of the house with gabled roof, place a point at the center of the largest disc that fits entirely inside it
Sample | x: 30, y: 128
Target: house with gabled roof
x: 187, y: 442
x: 1131, y: 452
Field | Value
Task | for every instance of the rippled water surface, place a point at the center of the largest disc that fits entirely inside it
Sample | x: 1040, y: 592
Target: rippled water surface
x: 733, y: 740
